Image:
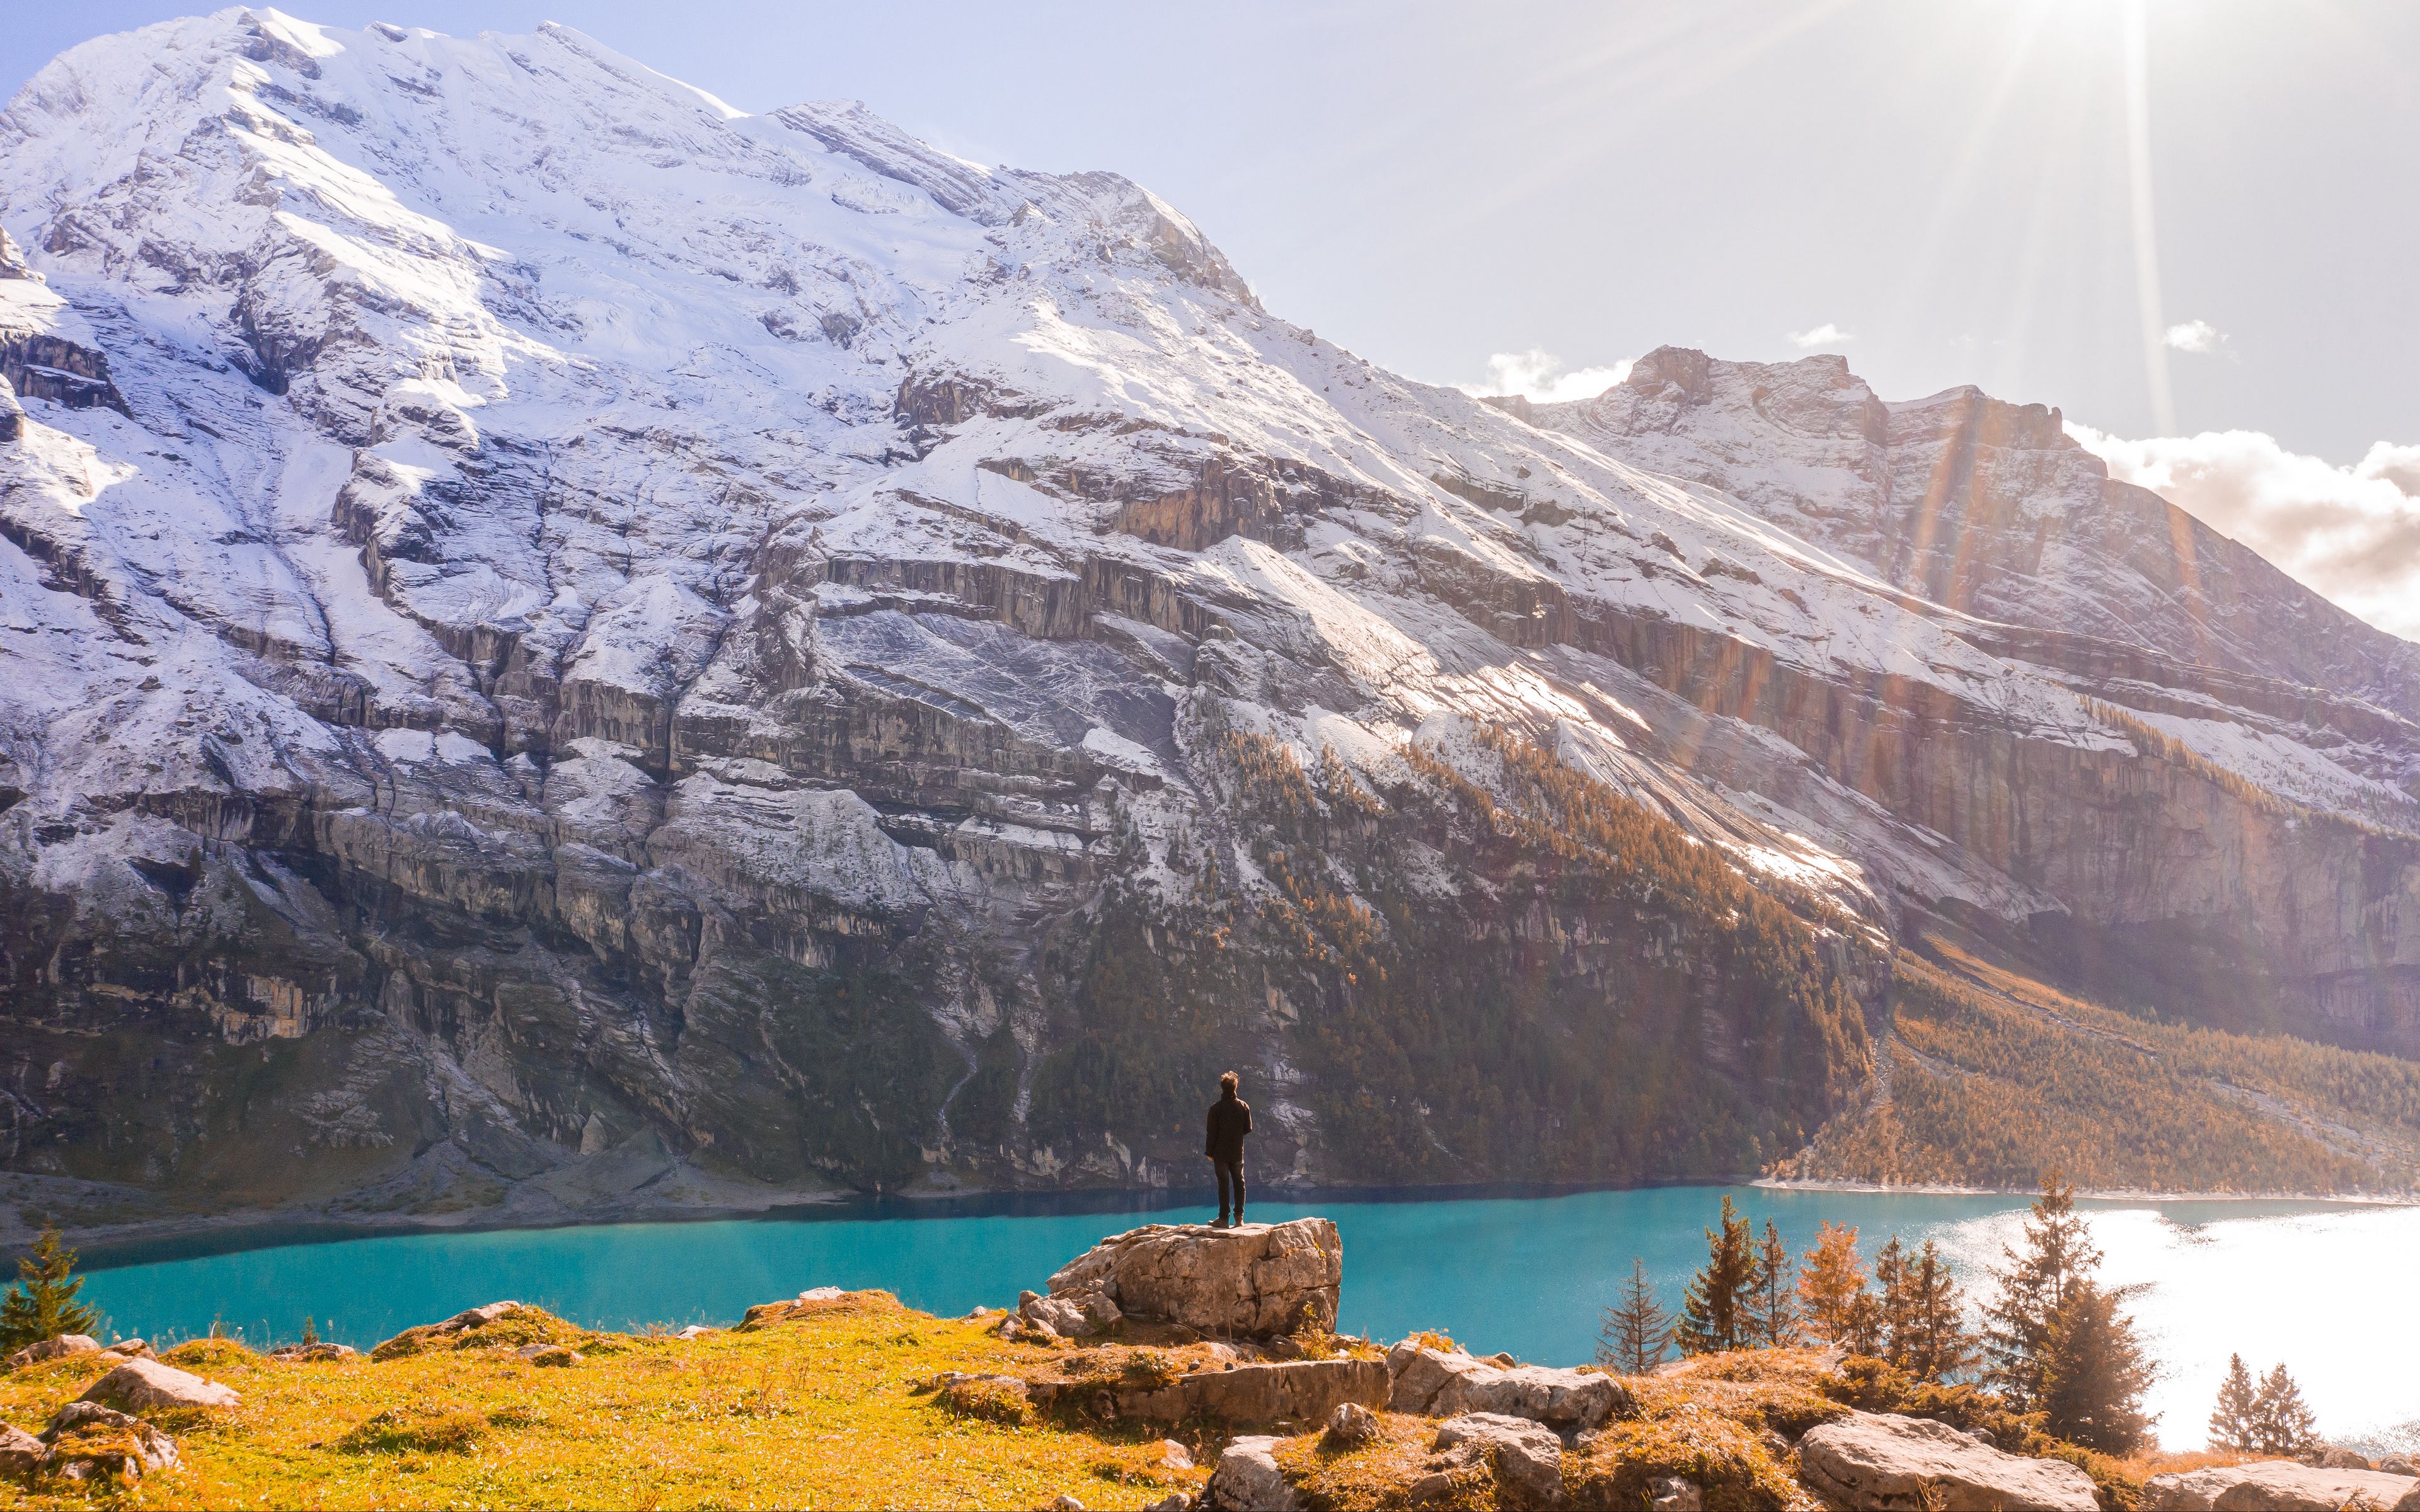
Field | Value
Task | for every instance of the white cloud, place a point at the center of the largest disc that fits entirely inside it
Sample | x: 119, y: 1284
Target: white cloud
x: 1539, y: 377
x: 2351, y: 533
x: 2196, y: 337
x: 1826, y: 335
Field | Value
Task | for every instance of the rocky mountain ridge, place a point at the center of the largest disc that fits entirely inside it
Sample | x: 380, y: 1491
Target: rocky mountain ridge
x: 576, y: 650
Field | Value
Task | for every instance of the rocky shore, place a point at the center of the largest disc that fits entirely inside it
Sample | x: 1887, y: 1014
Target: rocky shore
x: 1178, y: 1367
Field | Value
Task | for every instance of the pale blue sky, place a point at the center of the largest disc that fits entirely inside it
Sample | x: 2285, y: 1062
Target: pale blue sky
x: 1945, y: 180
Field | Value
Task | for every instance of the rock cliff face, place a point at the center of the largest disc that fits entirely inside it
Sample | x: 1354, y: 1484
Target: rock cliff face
x: 571, y: 649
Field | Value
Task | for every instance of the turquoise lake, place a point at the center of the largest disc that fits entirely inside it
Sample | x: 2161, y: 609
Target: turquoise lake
x: 2275, y: 1281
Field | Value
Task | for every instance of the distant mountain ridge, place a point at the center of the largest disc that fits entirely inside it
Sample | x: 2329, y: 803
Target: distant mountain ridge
x: 574, y: 650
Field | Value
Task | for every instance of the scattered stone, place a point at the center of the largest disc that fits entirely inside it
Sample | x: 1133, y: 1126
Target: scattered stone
x: 1174, y: 1455
x: 19, y: 1451
x: 147, y: 1385
x: 58, y: 1348
x: 1438, y: 1383
x: 1247, y: 1480
x: 412, y: 1340
x: 1173, y: 1502
x: 2277, y: 1485
x: 1064, y: 1502
x: 1888, y: 1463
x: 1352, y: 1424
x: 309, y: 1354
x: 2343, y: 1459
x: 132, y: 1349
x: 549, y: 1354
x: 2398, y: 1465
x: 1078, y: 1315
x: 1670, y: 1493
x: 811, y: 1301
x: 978, y: 1315
x: 1527, y: 1455
x: 1504, y: 1359
x: 821, y: 1295
x: 86, y: 1440
x: 1258, y: 1280
x: 994, y: 1398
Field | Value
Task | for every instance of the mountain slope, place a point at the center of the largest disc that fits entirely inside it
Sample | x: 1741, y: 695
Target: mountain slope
x: 582, y: 650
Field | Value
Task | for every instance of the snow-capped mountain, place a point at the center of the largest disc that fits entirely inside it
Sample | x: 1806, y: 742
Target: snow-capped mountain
x: 562, y: 641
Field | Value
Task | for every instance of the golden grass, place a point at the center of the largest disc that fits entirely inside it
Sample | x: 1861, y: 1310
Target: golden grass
x: 822, y: 1410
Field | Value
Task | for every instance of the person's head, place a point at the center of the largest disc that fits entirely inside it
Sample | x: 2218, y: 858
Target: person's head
x: 1227, y: 1083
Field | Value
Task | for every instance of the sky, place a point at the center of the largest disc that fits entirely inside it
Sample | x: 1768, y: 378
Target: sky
x: 2188, y: 224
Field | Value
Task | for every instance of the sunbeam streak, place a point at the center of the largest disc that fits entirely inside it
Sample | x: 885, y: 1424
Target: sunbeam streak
x: 2146, y: 249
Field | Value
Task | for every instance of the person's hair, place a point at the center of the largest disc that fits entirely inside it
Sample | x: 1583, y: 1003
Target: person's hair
x: 1227, y: 1081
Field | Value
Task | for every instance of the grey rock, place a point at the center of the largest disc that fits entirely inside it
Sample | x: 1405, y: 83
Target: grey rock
x: 1670, y: 1493
x: 1888, y: 1463
x: 147, y: 1385
x: 1248, y: 1479
x: 2276, y: 1486
x: 54, y: 1349
x: 1526, y: 1454
x: 1352, y: 1424
x: 1438, y: 1383
x: 2340, y: 1457
x: 19, y: 1451
x: 1256, y: 1279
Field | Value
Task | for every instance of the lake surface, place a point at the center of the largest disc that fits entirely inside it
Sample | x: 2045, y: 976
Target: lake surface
x: 2325, y: 1289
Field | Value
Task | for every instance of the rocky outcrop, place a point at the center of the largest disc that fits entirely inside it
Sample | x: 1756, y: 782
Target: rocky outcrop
x: 2278, y: 1486
x: 1254, y: 1392
x: 87, y: 1441
x: 1440, y: 1383
x: 1907, y: 1464
x: 1251, y: 1280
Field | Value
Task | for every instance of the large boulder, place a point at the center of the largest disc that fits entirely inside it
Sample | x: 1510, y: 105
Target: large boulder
x: 1248, y: 1479
x: 1446, y: 1383
x: 88, y: 1440
x: 147, y: 1385
x: 1886, y: 1463
x: 1254, y: 1279
x: 2281, y: 1485
x: 1526, y: 1455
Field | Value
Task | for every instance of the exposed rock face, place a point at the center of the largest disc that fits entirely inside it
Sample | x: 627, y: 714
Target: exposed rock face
x: 963, y: 644
x: 1904, y: 1465
x: 1438, y: 1383
x: 147, y: 1385
x: 2275, y: 1486
x: 1255, y: 1279
x: 1298, y: 1391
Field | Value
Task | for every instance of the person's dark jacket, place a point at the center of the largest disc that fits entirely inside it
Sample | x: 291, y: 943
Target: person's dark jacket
x: 1231, y: 1119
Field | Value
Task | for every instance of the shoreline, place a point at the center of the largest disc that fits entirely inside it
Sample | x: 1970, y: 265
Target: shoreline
x: 165, y: 1239
x: 2117, y: 1194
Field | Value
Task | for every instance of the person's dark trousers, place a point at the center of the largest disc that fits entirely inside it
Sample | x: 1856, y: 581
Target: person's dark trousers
x: 1230, y: 1173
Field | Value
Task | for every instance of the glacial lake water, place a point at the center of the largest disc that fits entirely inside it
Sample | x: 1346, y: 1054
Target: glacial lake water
x: 2324, y: 1287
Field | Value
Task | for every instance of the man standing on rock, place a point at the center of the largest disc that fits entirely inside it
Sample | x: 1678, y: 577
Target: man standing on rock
x: 1231, y: 1119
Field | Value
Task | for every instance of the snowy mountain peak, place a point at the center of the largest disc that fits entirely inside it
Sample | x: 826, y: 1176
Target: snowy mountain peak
x: 494, y: 540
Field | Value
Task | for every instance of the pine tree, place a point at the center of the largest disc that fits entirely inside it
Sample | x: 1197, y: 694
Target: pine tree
x: 1930, y: 1341
x: 2093, y: 1373
x: 42, y: 1305
x: 1710, y: 1314
x: 1770, y: 1305
x: 2233, y: 1423
x: 2057, y: 1257
x: 1890, y: 1290
x: 1637, y: 1328
x: 2282, y: 1422
x: 1831, y: 1287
